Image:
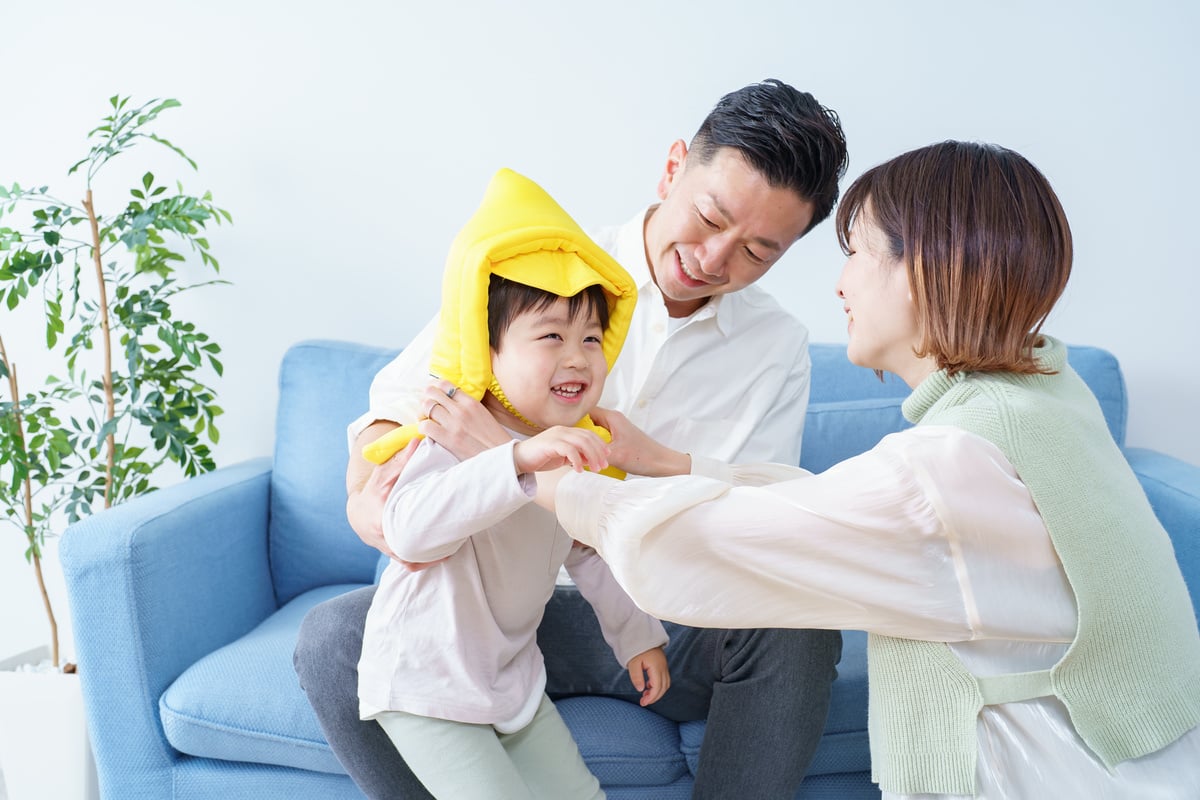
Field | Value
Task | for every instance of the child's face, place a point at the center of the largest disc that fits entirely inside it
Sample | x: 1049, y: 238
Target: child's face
x: 550, y: 366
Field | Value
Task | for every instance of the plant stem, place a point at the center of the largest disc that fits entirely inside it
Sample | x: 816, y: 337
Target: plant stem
x: 110, y: 403
x: 37, y: 561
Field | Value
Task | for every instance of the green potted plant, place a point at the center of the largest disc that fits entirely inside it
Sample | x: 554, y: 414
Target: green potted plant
x: 128, y: 398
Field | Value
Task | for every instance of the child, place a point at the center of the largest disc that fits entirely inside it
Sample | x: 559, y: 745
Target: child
x: 533, y: 315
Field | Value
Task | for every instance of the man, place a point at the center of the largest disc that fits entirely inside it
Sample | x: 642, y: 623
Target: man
x: 714, y: 369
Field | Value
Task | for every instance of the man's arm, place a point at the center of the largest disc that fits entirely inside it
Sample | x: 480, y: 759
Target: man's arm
x: 368, y: 486
x: 393, y: 395
x: 469, y: 431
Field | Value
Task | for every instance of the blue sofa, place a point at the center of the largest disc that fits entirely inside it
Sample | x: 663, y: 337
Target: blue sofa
x: 186, y: 602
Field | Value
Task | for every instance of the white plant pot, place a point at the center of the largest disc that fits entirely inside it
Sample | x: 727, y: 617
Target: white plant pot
x: 44, y: 749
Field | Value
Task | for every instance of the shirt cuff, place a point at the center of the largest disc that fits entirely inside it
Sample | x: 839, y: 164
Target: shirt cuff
x: 500, y: 465
x: 712, y: 468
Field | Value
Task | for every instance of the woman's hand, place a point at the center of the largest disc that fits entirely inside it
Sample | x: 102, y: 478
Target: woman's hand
x: 459, y: 422
x: 559, y: 447
x: 649, y: 674
x: 635, y: 452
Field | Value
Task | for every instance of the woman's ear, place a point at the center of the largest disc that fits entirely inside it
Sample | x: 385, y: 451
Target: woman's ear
x: 676, y: 157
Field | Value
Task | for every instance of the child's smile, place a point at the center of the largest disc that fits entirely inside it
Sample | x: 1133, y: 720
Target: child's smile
x: 550, y: 366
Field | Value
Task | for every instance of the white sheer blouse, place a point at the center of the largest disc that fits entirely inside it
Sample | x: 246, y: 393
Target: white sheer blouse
x: 930, y: 535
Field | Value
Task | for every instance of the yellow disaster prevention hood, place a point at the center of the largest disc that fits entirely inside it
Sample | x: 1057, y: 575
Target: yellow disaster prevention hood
x: 520, y: 233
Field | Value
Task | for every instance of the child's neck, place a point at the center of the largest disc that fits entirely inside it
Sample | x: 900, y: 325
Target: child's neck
x: 507, y: 418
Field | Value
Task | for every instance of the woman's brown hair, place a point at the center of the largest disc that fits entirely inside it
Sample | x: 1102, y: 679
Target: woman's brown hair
x: 985, y: 243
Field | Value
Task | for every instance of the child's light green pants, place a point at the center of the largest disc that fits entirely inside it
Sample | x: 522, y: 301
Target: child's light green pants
x: 462, y: 761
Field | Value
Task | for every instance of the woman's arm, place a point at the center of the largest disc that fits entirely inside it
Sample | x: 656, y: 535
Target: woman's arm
x: 859, y: 546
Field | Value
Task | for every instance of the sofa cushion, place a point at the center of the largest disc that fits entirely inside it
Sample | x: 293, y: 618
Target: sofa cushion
x: 840, y: 429
x: 1102, y: 373
x: 1163, y: 479
x: 243, y: 702
x: 834, y: 378
x: 323, y: 387
x: 624, y: 744
x: 850, y: 409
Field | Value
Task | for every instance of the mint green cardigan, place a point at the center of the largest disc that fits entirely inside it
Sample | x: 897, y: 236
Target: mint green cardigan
x: 1131, y: 678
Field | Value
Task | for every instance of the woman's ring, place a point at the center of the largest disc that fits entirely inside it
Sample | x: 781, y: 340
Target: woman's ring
x: 450, y: 392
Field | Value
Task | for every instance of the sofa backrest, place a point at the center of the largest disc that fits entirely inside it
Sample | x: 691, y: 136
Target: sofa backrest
x: 323, y: 386
x: 849, y: 409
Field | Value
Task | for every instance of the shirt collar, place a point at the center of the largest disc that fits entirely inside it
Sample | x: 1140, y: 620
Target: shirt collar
x: 631, y: 252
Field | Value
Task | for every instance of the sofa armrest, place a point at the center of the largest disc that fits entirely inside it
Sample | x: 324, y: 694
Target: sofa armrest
x: 154, y: 584
x: 1173, y: 487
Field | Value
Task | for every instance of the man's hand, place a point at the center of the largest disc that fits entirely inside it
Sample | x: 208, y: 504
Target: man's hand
x: 368, y: 488
x: 558, y: 447
x: 635, y: 452
x: 649, y: 674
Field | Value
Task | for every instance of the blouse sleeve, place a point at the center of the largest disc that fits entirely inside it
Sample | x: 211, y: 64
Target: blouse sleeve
x: 860, y: 545
x: 745, y: 474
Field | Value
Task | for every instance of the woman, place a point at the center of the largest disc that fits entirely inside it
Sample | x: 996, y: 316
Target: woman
x: 1031, y: 634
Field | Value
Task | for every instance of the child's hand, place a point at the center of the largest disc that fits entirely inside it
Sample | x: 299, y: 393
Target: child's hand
x: 560, y: 446
x: 649, y: 674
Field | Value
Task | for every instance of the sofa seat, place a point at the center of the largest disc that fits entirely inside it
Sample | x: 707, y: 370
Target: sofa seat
x: 626, y: 748
x: 242, y: 702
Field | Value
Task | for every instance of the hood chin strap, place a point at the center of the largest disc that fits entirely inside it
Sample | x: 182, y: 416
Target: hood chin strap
x: 585, y: 423
x: 498, y: 393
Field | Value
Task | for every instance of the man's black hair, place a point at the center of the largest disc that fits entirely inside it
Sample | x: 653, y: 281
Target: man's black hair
x: 785, y: 134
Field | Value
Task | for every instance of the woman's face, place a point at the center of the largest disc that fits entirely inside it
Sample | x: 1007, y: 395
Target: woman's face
x: 882, y: 326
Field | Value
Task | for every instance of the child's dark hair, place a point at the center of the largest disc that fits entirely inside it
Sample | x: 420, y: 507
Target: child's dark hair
x: 508, y: 299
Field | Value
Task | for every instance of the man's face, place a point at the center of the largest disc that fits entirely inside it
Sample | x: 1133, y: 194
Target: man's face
x: 719, y: 228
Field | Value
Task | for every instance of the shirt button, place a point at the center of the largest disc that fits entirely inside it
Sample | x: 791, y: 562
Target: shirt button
x: 643, y: 403
x: 659, y: 327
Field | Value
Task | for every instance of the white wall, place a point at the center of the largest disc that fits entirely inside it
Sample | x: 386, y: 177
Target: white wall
x: 351, y: 139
